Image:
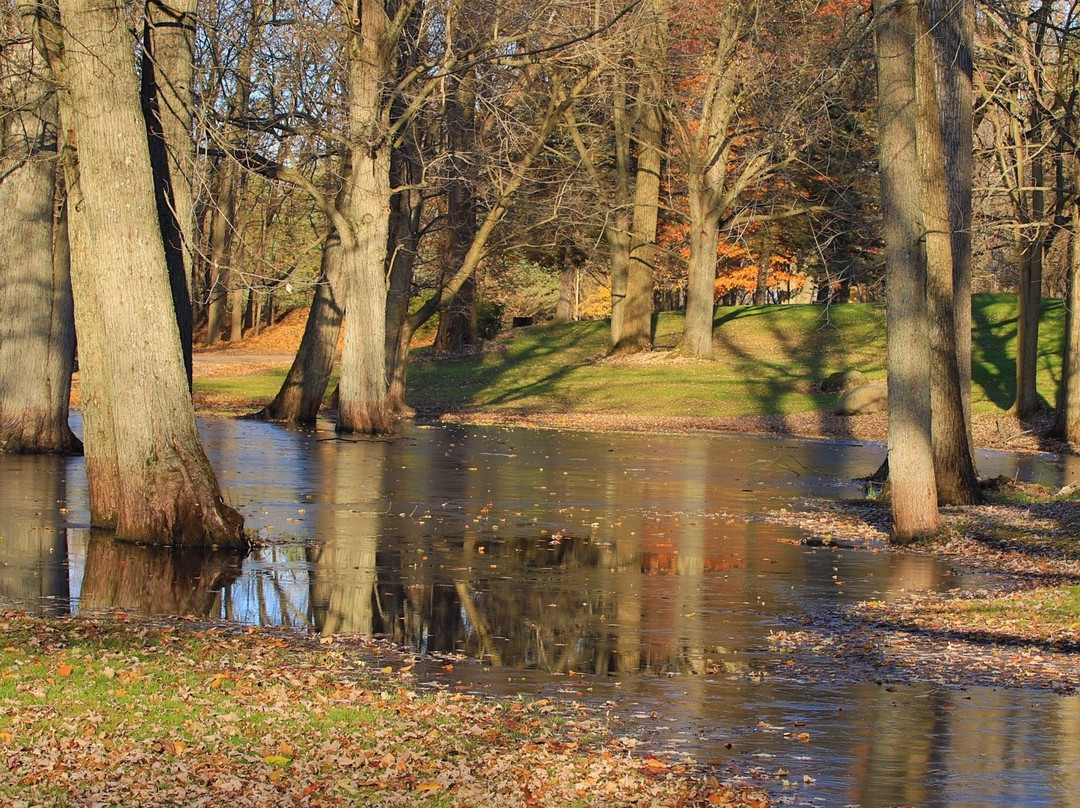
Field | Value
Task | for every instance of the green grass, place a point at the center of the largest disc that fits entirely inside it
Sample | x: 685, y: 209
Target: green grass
x: 110, y: 711
x: 769, y: 360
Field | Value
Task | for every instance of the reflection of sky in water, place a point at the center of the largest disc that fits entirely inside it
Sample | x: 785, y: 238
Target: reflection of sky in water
x: 547, y: 552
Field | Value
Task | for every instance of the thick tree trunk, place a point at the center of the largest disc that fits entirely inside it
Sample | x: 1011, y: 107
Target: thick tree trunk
x: 952, y: 24
x: 697, y: 336
x: 954, y: 469
x: 636, y: 331
x: 1067, y: 422
x: 168, y: 76
x: 911, y: 460
x: 362, y: 403
x: 569, y: 266
x: 457, y: 329
x: 635, y: 326
x: 301, y: 394
x: 405, y: 240
x: 37, y: 325
x: 163, y: 490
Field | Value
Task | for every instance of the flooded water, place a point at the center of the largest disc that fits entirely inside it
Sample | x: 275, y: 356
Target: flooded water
x: 617, y: 570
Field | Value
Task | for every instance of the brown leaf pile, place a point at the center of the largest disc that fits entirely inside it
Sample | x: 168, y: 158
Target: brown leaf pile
x: 109, y: 712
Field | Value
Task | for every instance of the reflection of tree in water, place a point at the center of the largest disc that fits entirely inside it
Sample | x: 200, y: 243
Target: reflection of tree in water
x: 33, y: 539
x: 574, y: 604
x: 155, y: 580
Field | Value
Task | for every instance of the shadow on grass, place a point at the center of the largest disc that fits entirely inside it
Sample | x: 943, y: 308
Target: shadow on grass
x: 489, y: 378
x: 994, y: 368
x: 800, y: 359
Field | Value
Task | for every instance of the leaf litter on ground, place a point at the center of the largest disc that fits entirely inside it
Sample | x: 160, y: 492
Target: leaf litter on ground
x: 109, y: 711
x: 1021, y: 630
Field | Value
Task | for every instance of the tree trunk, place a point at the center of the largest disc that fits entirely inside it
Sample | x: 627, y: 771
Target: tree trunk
x: 635, y: 328
x: 1067, y: 422
x: 697, y: 336
x: 362, y: 403
x: 569, y: 265
x: 911, y: 460
x: 457, y: 319
x: 37, y: 325
x: 301, y: 394
x: 405, y: 240
x: 153, y: 470
x: 954, y: 469
x: 953, y: 25
x: 636, y: 334
x: 1029, y: 306
x: 220, y: 235
x: 168, y: 76
x: 617, y: 232
x: 761, y: 289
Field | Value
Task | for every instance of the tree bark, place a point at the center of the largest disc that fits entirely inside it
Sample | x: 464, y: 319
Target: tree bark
x: 160, y: 484
x: 954, y: 468
x: 457, y: 319
x: 635, y: 326
x: 952, y: 24
x: 697, y: 336
x: 301, y: 394
x: 911, y: 460
x: 1029, y: 302
x: 1067, y: 422
x: 405, y: 224
x: 37, y: 324
x: 362, y: 402
x: 617, y: 231
x: 168, y: 76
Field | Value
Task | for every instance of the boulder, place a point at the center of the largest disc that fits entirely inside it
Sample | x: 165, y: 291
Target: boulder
x: 843, y: 380
x: 864, y: 399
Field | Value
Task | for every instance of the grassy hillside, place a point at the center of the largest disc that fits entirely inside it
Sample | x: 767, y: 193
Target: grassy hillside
x: 769, y: 360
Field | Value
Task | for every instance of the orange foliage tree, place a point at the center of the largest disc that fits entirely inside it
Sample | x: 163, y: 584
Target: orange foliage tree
x: 747, y: 81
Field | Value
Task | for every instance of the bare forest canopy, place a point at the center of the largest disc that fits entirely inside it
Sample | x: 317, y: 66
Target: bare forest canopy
x: 397, y: 163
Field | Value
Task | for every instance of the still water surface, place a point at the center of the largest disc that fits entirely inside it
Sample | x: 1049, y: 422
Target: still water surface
x: 618, y: 569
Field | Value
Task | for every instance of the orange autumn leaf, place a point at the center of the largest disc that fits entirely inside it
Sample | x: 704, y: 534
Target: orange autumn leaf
x: 64, y: 670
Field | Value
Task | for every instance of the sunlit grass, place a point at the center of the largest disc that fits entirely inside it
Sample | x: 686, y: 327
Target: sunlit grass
x: 769, y: 360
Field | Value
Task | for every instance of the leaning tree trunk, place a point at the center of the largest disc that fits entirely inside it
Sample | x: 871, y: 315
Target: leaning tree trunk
x: 301, y: 394
x: 362, y: 403
x: 163, y: 489
x: 911, y: 460
x: 954, y: 467
x: 37, y: 325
